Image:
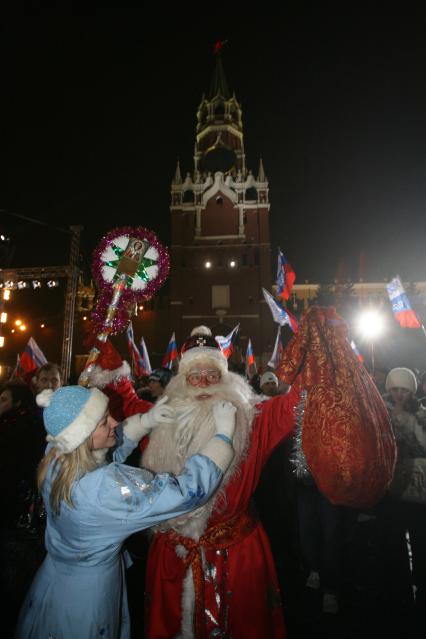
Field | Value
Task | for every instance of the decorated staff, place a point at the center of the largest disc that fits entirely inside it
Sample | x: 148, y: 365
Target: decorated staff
x: 129, y: 266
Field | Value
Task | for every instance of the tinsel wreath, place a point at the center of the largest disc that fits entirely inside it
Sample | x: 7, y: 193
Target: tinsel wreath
x: 150, y: 276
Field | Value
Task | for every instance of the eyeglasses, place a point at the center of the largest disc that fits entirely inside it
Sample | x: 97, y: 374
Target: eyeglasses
x: 210, y: 376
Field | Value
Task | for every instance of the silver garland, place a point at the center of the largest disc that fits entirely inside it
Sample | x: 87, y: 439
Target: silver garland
x: 297, y: 458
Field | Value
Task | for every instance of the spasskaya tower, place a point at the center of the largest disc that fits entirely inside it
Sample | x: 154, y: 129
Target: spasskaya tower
x: 220, y: 249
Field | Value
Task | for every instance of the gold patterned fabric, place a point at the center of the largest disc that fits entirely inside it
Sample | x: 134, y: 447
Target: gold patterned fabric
x: 347, y: 436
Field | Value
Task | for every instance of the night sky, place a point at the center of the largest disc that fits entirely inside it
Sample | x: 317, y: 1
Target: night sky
x: 96, y: 108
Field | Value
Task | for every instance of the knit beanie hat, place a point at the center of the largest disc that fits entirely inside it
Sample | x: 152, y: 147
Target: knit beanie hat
x: 201, y: 345
x: 401, y: 378
x: 71, y: 414
x: 269, y: 376
x: 162, y: 375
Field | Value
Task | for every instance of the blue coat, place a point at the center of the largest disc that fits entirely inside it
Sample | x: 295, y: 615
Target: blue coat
x: 79, y: 591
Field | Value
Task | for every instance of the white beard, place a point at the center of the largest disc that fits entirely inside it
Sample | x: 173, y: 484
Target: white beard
x: 171, y: 445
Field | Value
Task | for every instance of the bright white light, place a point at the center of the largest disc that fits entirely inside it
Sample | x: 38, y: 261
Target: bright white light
x: 208, y: 264
x: 6, y: 294
x: 3, y: 318
x: 232, y: 263
x: 1, y: 341
x: 370, y: 324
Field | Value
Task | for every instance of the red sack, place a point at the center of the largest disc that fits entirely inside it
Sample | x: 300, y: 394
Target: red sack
x: 347, y: 437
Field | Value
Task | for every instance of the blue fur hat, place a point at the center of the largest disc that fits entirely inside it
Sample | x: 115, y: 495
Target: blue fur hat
x: 71, y: 414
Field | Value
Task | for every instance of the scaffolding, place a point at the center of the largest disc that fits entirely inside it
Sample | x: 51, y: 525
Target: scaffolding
x: 71, y: 273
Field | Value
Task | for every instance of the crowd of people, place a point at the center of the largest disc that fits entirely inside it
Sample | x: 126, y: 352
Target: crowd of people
x: 242, y: 543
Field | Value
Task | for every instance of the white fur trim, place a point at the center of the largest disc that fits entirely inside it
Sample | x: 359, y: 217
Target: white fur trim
x: 201, y: 330
x: 218, y: 451
x: 188, y: 606
x: 44, y: 398
x: 203, y: 353
x: 85, y: 423
x: 135, y: 427
x: 181, y: 551
x: 101, y: 377
x: 100, y: 455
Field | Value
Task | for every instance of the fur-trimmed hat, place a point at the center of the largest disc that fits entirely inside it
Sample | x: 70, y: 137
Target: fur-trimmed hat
x: 401, y: 378
x: 201, y: 345
x: 109, y: 366
x: 71, y: 414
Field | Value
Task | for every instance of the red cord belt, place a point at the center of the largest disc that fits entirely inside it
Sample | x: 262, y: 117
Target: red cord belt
x: 217, y: 537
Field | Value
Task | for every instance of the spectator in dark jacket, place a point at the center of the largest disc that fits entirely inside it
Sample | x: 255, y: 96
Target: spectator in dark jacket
x: 22, y: 442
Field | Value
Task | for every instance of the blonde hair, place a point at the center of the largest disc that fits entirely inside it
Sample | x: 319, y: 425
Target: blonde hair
x: 67, y: 469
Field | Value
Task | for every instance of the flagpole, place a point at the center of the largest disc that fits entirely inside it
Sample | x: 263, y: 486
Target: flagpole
x: 372, y: 358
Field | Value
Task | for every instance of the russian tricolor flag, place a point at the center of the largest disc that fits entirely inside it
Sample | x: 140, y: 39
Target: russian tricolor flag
x: 171, y: 353
x: 225, y: 343
x: 250, y: 361
x: 401, y: 306
x: 354, y: 347
x: 146, y: 364
x: 285, y: 277
x: 279, y: 314
x: 277, y: 355
x: 31, y: 359
x: 135, y: 356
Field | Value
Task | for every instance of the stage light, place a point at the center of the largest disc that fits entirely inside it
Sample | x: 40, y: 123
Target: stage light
x: 22, y: 327
x: 42, y: 325
x: 36, y: 284
x: 52, y: 283
x: 1, y: 341
x: 6, y: 294
x: 9, y: 284
x: 232, y: 264
x: 21, y: 284
x: 370, y: 324
x: 3, y: 318
x: 18, y: 322
x: 208, y: 264
x: 84, y: 318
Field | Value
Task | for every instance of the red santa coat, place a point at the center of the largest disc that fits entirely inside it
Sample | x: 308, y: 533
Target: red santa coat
x: 241, y: 590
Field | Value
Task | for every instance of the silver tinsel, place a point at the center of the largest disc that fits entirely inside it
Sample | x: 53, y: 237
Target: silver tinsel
x: 297, y: 457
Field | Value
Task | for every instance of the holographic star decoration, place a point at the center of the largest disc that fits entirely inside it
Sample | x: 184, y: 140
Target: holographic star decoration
x: 141, y: 272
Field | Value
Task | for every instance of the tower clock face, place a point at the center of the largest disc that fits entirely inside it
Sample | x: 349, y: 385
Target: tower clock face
x: 219, y: 159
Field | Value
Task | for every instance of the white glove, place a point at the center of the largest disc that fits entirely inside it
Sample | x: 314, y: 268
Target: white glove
x: 137, y: 426
x: 159, y: 413
x: 224, y: 418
